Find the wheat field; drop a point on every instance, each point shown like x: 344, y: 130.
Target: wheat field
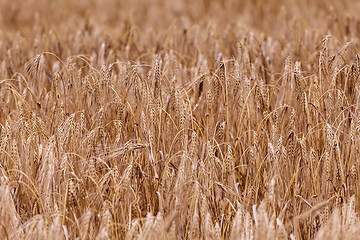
x: 179, y: 119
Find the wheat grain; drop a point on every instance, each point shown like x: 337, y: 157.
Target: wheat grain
x: 215, y: 125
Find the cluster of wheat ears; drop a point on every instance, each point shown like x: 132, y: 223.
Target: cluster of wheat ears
x: 179, y: 120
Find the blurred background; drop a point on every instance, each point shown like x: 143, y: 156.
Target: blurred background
x: 268, y: 16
